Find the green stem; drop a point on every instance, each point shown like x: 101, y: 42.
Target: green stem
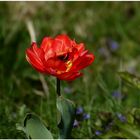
x: 58, y: 87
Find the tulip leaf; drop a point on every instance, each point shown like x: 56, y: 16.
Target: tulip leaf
x: 67, y: 110
x: 35, y: 129
x: 131, y: 79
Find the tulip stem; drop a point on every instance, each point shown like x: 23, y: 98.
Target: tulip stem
x: 58, y: 87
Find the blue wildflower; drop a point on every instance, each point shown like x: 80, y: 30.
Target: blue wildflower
x: 76, y: 123
x: 79, y: 110
x: 98, y: 132
x: 121, y: 117
x: 117, y: 94
x: 86, y: 116
x: 113, y: 45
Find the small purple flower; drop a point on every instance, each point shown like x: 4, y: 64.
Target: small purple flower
x: 98, y: 132
x: 113, y: 45
x: 79, y: 110
x: 68, y: 90
x: 86, y: 116
x: 121, y: 117
x: 76, y: 123
x: 117, y: 94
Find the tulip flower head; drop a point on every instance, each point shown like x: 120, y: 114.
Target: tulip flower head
x: 60, y: 57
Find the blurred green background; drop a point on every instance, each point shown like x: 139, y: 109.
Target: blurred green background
x: 110, y: 30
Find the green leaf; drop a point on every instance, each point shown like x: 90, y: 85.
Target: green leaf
x: 130, y: 79
x: 67, y: 110
x: 35, y: 129
x: 129, y: 129
x: 130, y: 118
x: 136, y: 113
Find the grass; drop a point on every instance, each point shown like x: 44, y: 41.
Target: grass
x: 94, y: 23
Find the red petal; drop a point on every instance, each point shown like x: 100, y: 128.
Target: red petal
x: 34, y: 60
x: 56, y: 64
x: 69, y: 76
x: 65, y: 39
x: 49, y: 54
x: 74, y: 76
x: 82, y: 62
x: 62, y: 44
x: 83, y: 53
x: 79, y: 53
x: 85, y: 61
x: 73, y: 55
x: 80, y: 47
x: 37, y: 51
x: 77, y: 50
x: 46, y: 44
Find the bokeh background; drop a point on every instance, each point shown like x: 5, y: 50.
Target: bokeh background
x: 107, y: 107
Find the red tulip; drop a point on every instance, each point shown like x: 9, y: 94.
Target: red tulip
x: 60, y: 57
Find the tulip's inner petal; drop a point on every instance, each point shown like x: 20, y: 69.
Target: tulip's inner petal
x: 46, y: 44
x: 60, y: 64
x: 73, y: 54
x: 62, y: 45
x: 65, y: 39
x: 79, y: 48
x: 59, y: 47
x: 77, y: 51
x: 49, y: 54
x: 63, y: 57
x: 57, y: 65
